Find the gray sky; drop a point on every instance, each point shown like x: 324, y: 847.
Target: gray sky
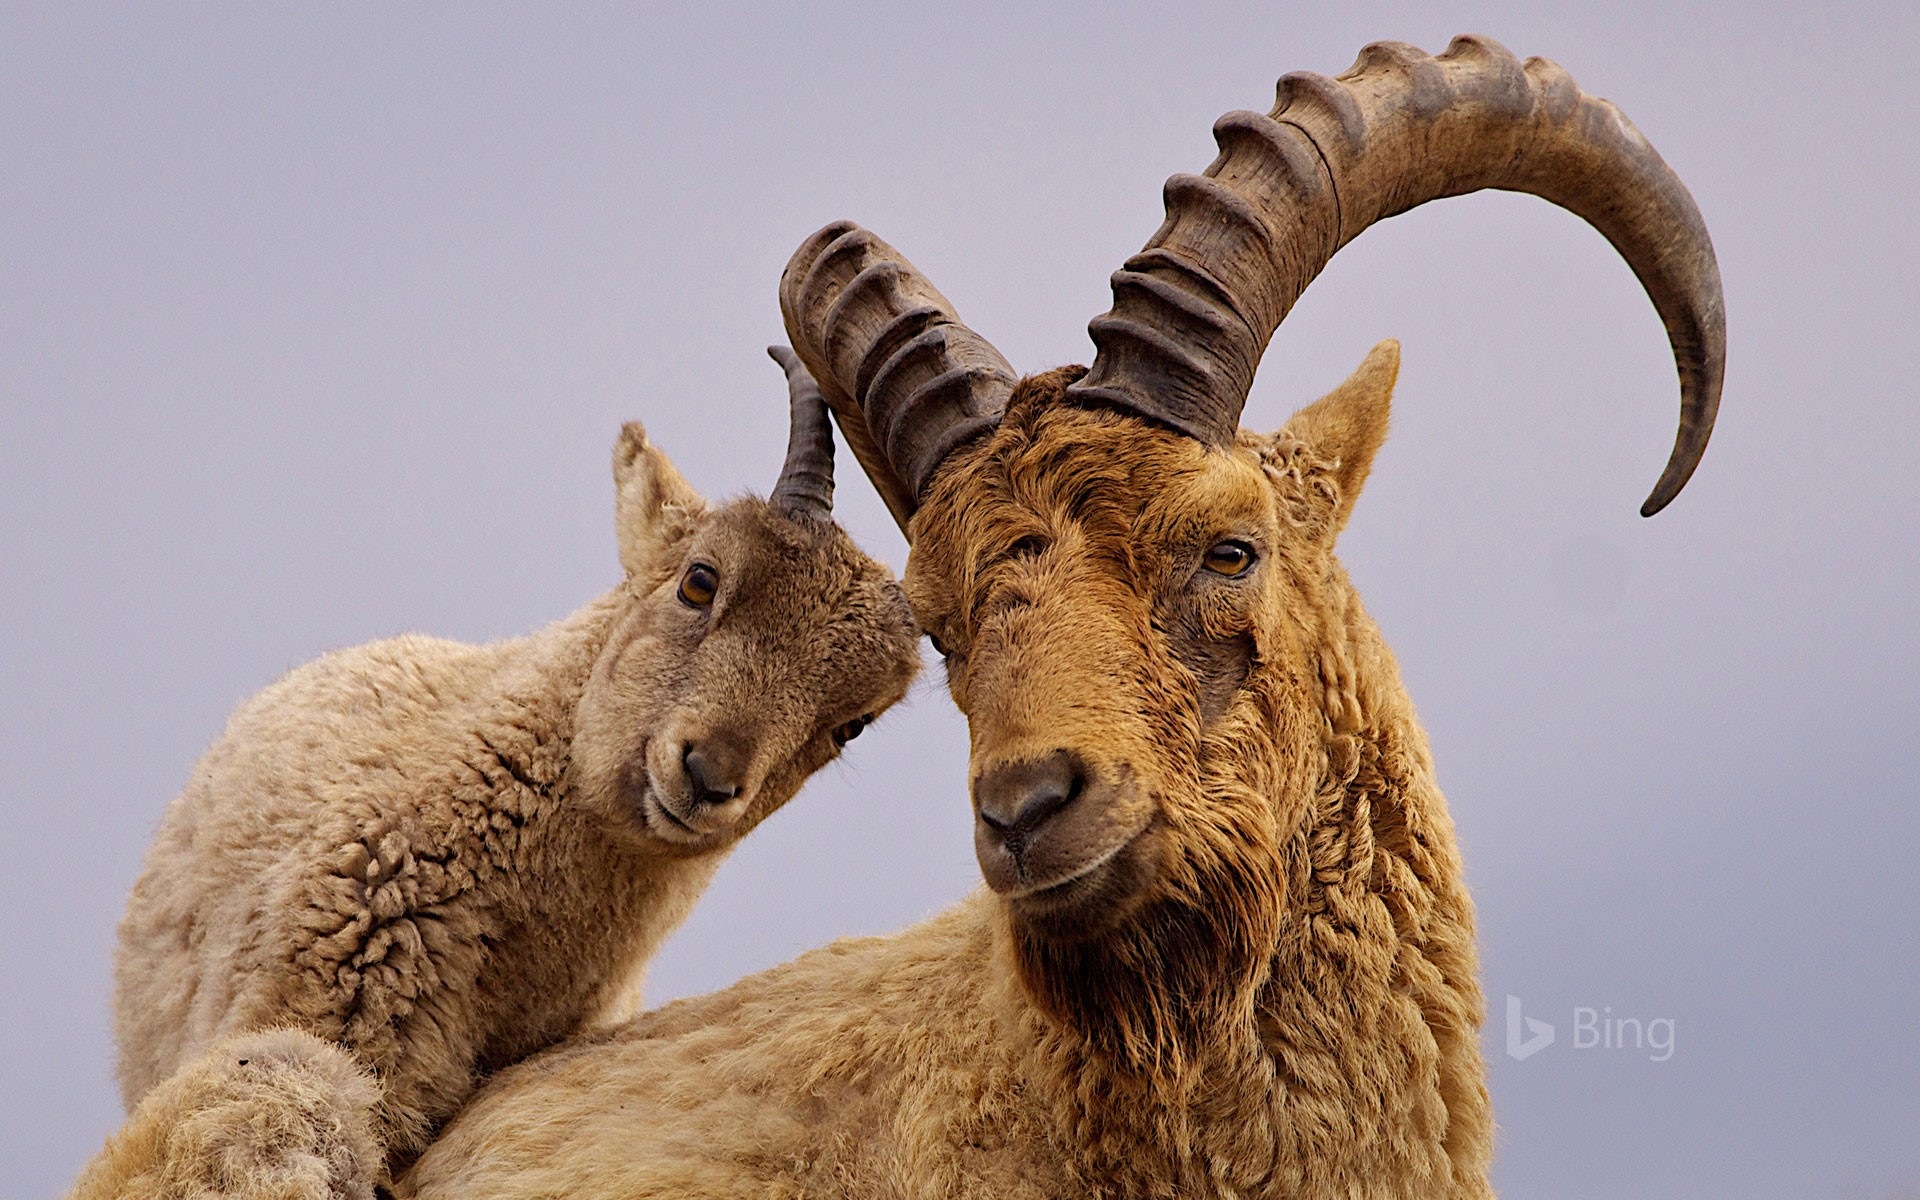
x: 317, y: 324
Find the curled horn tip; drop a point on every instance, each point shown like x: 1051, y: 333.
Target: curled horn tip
x: 1699, y: 404
x: 797, y: 375
x: 1193, y: 313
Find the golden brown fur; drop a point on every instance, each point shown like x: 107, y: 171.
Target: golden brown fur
x: 444, y: 858
x: 1245, y: 965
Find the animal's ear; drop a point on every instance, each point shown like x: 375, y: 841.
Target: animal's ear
x: 1337, y: 436
x: 653, y: 507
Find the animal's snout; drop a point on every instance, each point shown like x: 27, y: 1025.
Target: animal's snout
x: 716, y: 768
x: 700, y: 785
x: 1062, y: 837
x: 1017, y: 800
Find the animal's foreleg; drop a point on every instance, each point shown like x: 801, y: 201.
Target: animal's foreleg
x: 276, y: 1115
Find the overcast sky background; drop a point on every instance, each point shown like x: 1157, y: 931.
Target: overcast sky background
x: 316, y: 326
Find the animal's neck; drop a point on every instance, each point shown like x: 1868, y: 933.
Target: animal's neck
x: 540, y: 688
x: 537, y: 684
x: 607, y: 897
x: 1121, y: 1125
x: 1371, y: 1009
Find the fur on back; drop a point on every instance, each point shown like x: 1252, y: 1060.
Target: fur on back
x: 345, y: 858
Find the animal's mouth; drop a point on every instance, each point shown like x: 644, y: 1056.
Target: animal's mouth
x: 1063, y: 885
x: 651, y: 800
x: 654, y: 809
x: 1051, y: 830
x: 1095, y: 895
x: 655, y: 818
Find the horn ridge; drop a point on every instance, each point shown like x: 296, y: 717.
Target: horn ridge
x: 906, y: 330
x: 1396, y: 130
x: 805, y: 487
x: 906, y: 379
x: 938, y: 403
x: 1227, y: 233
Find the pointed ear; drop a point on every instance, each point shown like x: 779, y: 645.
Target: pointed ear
x: 1342, y: 430
x: 653, y: 507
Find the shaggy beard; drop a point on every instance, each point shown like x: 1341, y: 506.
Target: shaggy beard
x: 1175, y: 979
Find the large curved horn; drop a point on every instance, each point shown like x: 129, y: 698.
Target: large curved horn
x: 805, y: 488
x: 905, y: 379
x: 1193, y: 311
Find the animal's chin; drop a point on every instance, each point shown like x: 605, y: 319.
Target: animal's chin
x: 1094, y: 897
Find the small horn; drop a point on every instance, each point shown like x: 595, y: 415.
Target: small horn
x: 906, y: 380
x: 1192, y: 313
x: 806, y: 478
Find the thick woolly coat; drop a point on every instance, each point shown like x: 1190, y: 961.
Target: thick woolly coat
x: 403, y: 818
x: 445, y: 857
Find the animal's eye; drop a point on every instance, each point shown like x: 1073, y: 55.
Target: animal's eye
x: 851, y: 730
x: 1230, y: 558
x: 699, y: 585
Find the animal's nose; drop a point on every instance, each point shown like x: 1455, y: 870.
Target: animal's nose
x: 715, y: 767
x: 1016, y: 799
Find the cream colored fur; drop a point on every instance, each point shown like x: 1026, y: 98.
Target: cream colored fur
x: 443, y: 858
x: 274, y: 1115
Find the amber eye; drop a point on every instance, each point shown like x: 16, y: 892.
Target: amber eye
x: 699, y: 585
x: 1229, y: 558
x: 851, y: 730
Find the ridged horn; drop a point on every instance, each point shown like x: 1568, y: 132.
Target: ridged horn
x: 805, y: 488
x: 1193, y: 311
x: 906, y: 380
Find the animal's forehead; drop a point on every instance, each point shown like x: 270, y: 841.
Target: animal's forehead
x: 1110, y: 474
x: 792, y: 561
x: 806, y: 578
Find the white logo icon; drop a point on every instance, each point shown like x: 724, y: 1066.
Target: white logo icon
x: 1539, y: 1034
